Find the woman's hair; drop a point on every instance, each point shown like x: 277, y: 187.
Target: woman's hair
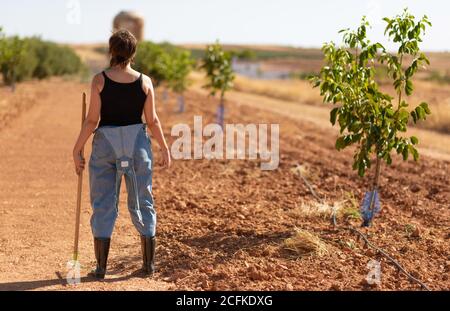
x: 122, y: 48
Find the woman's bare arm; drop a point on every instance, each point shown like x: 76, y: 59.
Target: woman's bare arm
x: 153, y: 123
x: 90, y: 123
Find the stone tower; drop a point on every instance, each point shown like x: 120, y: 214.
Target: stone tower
x: 131, y: 21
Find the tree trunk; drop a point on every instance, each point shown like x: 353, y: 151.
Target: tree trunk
x: 180, y: 103
x: 374, y: 197
x: 375, y: 184
x: 164, y: 95
x: 221, y: 112
x: 377, y: 174
x: 13, y: 81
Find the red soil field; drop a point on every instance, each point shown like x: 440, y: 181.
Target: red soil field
x: 221, y: 223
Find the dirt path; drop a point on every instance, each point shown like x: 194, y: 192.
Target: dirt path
x: 38, y: 189
x: 221, y: 223
x: 432, y: 143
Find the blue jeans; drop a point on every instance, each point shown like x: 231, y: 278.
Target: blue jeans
x: 121, y: 151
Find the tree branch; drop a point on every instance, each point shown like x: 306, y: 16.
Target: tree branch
x: 366, y: 240
x: 392, y: 260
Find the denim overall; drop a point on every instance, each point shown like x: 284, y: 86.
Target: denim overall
x: 121, y: 151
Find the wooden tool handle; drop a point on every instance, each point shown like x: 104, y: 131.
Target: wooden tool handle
x: 80, y: 184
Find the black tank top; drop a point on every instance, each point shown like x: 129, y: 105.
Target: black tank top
x: 121, y: 103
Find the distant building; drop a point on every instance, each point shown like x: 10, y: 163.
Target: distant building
x: 131, y: 21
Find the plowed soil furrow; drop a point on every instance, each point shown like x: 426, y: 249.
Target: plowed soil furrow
x: 222, y: 223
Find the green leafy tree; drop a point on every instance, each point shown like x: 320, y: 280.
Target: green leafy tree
x: 13, y: 52
x: 372, y: 120
x: 178, y: 65
x: 150, y: 59
x: 167, y: 65
x: 24, y: 58
x: 52, y: 59
x: 219, y: 72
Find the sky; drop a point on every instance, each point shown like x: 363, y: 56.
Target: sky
x: 284, y: 22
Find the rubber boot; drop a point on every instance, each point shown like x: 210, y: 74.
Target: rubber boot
x: 148, y: 245
x: 101, y: 248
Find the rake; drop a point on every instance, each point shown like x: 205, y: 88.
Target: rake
x: 73, y: 275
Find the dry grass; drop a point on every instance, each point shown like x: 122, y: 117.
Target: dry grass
x: 90, y: 55
x: 438, y: 97
x: 324, y: 209
x: 304, y: 243
x: 89, y: 51
x: 344, y: 209
x: 299, y: 91
x: 291, y: 90
x: 439, y: 119
x: 432, y: 143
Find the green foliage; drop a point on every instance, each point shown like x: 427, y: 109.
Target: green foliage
x: 366, y: 116
x: 405, y: 31
x: 178, y: 64
x: 217, y: 65
x: 150, y: 60
x: 53, y: 59
x: 164, y: 63
x: 12, y: 66
x: 2, y: 44
x: 26, y: 58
